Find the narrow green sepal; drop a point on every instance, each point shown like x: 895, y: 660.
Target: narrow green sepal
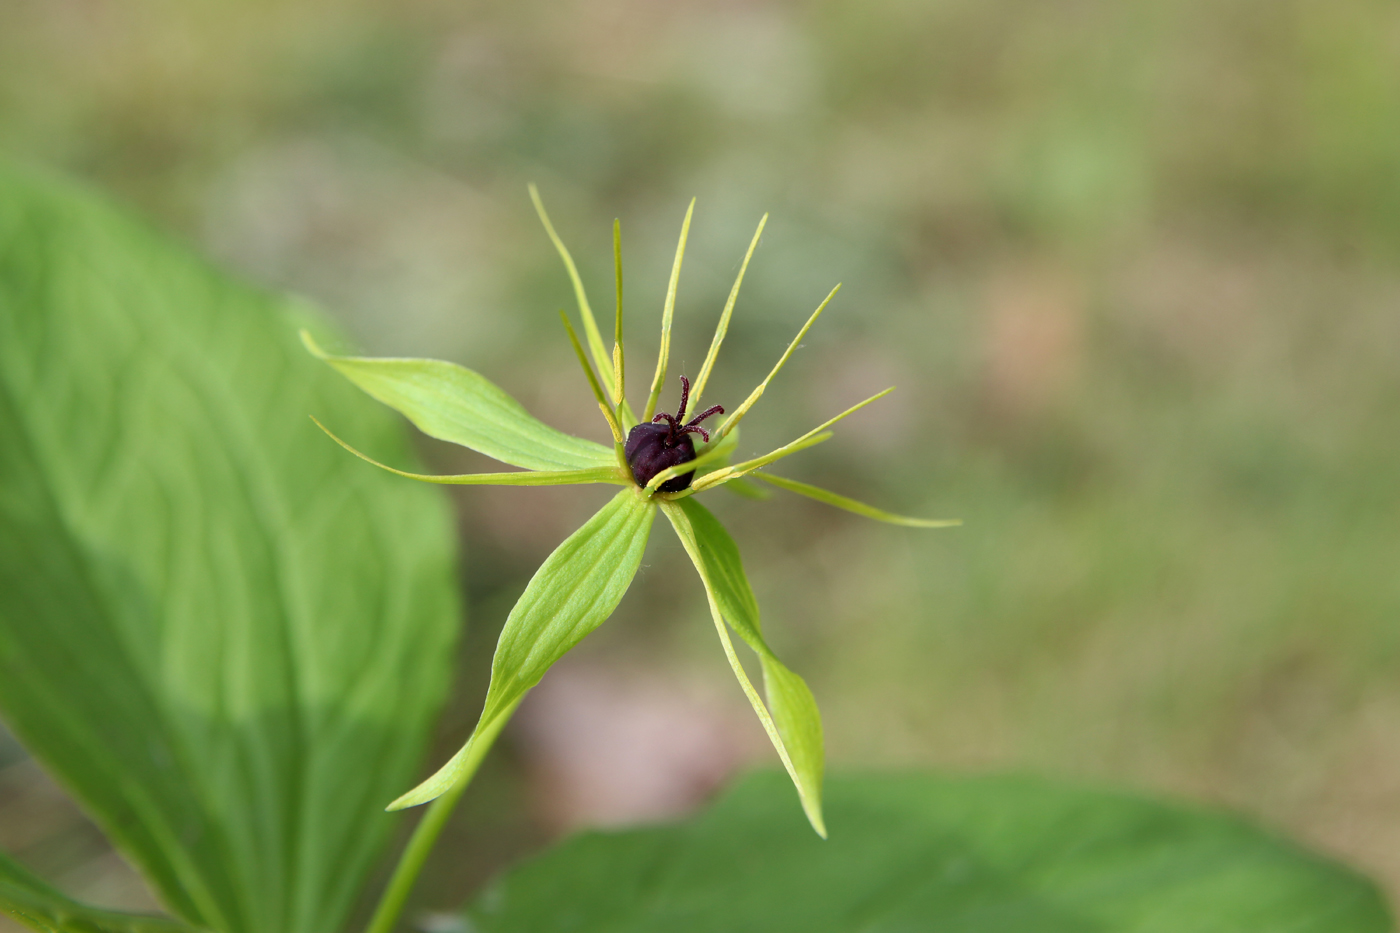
x: 602, y: 474
x: 456, y: 404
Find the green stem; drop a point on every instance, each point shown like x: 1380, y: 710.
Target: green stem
x: 386, y: 915
x: 425, y: 834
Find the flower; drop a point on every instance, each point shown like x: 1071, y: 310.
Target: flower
x: 654, y: 460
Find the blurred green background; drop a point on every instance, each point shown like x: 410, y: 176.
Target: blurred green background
x: 1133, y: 267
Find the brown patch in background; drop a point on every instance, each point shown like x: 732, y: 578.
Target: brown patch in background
x: 610, y: 746
x: 1033, y: 337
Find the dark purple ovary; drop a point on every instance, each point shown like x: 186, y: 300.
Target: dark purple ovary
x: 648, y: 453
x: 654, y: 447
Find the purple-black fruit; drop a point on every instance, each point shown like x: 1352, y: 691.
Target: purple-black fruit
x: 654, y: 447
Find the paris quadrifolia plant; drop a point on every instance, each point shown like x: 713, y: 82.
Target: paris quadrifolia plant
x: 659, y: 466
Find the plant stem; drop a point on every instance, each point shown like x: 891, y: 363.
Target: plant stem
x: 411, y: 862
x: 426, y: 833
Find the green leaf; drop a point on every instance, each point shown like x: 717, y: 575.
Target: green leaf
x: 936, y: 855
x: 573, y: 592
x: 453, y: 403
x: 29, y: 900
x: 794, y: 726
x: 851, y: 505
x: 222, y: 633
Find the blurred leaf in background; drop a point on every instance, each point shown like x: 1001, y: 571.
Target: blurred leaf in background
x: 224, y: 639
x: 936, y: 854
x: 29, y: 899
x: 1133, y: 267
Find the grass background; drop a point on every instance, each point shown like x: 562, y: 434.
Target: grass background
x: 1133, y: 267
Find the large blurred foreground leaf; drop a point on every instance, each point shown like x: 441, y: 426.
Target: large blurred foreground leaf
x: 30, y: 901
x: 935, y: 854
x: 224, y: 636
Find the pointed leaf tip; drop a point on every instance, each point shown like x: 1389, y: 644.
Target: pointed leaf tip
x: 790, y: 717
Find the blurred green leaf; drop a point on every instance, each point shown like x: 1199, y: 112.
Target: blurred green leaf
x: 573, y: 592
x: 35, y: 904
x: 936, y: 854
x: 223, y: 635
x: 453, y: 403
x: 795, y: 725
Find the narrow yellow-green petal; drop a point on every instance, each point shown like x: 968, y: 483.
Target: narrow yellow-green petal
x: 619, y: 361
x: 667, y: 313
x: 608, y: 415
x: 814, y: 436
x: 590, y: 325
x: 733, y: 420
x: 730, y: 473
x: 723, y: 327
x: 851, y: 505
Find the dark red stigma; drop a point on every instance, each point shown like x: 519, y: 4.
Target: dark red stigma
x: 654, y: 447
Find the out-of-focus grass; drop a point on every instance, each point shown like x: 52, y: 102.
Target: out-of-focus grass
x: 1132, y: 266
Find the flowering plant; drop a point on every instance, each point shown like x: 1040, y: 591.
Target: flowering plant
x: 655, y: 461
